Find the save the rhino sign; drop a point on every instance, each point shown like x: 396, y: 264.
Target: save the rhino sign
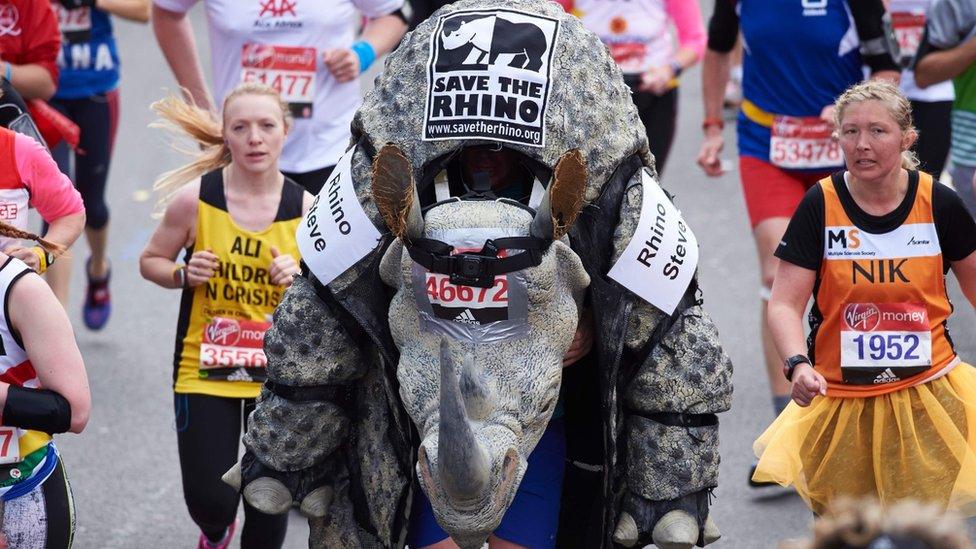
x: 488, y: 76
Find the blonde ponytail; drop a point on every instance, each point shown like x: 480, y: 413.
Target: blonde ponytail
x: 178, y: 116
x: 182, y: 117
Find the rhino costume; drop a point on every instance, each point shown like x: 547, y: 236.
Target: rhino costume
x: 376, y: 388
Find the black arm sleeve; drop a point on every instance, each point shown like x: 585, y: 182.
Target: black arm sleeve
x: 723, y: 27
x: 953, y: 223
x: 875, y: 44
x: 37, y: 409
x: 802, y: 243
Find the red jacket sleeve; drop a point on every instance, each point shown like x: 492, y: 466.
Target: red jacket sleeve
x: 42, y: 39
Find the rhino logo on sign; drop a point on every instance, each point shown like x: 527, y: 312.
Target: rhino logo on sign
x: 479, y: 42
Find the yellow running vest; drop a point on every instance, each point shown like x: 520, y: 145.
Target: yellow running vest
x: 220, y: 334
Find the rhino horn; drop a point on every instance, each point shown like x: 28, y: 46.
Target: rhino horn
x: 563, y: 199
x: 316, y: 503
x: 461, y: 461
x: 395, y: 194
x: 475, y: 389
x: 676, y: 530
x: 268, y: 495
x: 233, y: 477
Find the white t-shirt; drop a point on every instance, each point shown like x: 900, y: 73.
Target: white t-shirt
x: 908, y: 19
x: 636, y: 32
x: 281, y: 42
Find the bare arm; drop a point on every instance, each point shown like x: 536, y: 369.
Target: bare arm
x: 66, y: 229
x: 384, y: 33
x: 50, y: 344
x: 175, y: 37
x: 937, y: 66
x: 133, y: 10
x: 176, y: 231
x: 32, y: 80
x: 965, y: 271
x: 715, y: 76
x: 792, y: 288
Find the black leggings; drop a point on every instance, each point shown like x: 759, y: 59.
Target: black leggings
x: 208, y: 431
x: 313, y: 180
x: 97, y: 117
x: 659, y: 114
x: 934, y: 134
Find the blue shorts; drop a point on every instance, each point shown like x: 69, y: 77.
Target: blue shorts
x: 533, y: 517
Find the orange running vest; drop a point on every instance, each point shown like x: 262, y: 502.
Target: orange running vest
x: 883, y: 301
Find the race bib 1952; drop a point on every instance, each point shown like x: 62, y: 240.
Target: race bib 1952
x: 290, y: 70
x: 884, y: 342
x: 803, y: 142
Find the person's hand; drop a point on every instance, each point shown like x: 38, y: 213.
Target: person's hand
x: 708, y: 157
x: 582, y: 341
x: 26, y: 255
x: 827, y: 114
x: 343, y: 63
x: 283, y: 268
x: 201, y: 267
x: 657, y: 80
x: 807, y: 383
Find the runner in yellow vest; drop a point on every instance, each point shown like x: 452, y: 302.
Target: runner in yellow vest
x: 236, y: 223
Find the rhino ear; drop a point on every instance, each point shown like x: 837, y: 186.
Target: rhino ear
x: 395, y: 194
x: 563, y: 199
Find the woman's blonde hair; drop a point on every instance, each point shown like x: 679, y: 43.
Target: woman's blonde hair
x: 893, y: 100
x: 184, y: 117
x: 850, y: 522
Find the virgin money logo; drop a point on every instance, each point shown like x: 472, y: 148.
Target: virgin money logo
x: 9, y: 20
x: 277, y: 8
x: 224, y: 331
x: 863, y: 317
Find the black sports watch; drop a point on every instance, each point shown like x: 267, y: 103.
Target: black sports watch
x: 791, y: 364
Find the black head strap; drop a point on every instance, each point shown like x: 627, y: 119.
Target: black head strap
x: 478, y: 269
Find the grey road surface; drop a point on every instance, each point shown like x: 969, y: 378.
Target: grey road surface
x: 124, y: 468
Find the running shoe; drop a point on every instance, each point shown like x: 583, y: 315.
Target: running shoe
x: 224, y: 542
x: 98, y: 300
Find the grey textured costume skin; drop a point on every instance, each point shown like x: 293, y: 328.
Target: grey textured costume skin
x: 661, y: 376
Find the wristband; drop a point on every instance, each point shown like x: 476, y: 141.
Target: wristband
x: 676, y: 67
x: 8, y: 72
x: 44, y: 258
x: 179, y: 276
x: 37, y: 409
x: 366, y: 54
x: 713, y: 122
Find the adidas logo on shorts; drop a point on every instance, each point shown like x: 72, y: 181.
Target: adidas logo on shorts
x: 887, y: 376
x: 239, y: 374
x: 466, y: 317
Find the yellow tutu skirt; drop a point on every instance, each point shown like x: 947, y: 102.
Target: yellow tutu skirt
x: 917, y: 443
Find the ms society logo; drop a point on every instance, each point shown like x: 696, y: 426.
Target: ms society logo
x: 488, y: 76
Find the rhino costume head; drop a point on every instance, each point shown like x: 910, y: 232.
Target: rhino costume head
x: 480, y: 398
x: 332, y: 428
